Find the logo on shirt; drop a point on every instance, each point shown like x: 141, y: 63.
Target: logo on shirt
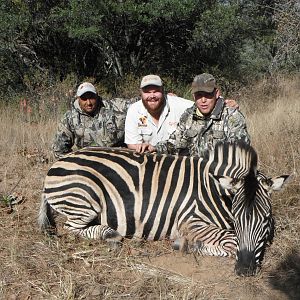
x: 174, y: 124
x: 142, y: 121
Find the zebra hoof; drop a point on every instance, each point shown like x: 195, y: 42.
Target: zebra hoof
x: 49, y: 231
x: 114, y: 245
x: 180, y: 244
x: 114, y: 241
x: 197, y: 246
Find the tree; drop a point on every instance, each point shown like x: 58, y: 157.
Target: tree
x: 109, y: 40
x: 16, y: 54
x: 287, y: 40
x: 130, y: 35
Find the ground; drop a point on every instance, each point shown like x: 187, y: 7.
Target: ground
x: 34, y: 266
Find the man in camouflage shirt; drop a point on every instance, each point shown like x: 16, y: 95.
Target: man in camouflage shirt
x: 91, y: 122
x: 207, y: 122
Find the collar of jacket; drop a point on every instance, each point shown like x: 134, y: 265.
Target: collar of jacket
x: 215, y: 114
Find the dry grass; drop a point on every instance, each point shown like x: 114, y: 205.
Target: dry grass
x: 32, y: 266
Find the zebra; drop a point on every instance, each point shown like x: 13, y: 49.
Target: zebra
x: 217, y: 205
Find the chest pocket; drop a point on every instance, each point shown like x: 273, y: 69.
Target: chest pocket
x: 79, y: 132
x: 110, y: 125
x: 191, y: 133
x: 218, y: 134
x: 146, y: 134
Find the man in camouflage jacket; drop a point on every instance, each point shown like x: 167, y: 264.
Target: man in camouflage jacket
x: 207, y: 122
x: 91, y: 122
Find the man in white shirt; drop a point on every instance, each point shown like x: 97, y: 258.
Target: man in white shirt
x: 153, y: 118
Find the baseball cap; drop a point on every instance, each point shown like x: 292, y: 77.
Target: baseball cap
x: 203, y: 83
x: 151, y: 80
x: 84, y: 88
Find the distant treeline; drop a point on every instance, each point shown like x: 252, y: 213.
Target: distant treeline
x: 237, y: 41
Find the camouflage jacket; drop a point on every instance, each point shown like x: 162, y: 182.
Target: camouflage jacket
x: 196, y: 134
x: 105, y: 128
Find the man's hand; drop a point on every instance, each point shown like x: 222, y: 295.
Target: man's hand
x: 231, y: 103
x: 141, y: 148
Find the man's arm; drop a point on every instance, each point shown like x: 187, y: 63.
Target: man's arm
x: 237, y: 128
x: 231, y: 103
x: 178, y: 142
x: 117, y: 108
x: 64, y: 138
x: 133, y: 138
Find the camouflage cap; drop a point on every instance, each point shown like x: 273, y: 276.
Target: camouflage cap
x: 203, y: 83
x: 84, y: 88
x: 151, y: 80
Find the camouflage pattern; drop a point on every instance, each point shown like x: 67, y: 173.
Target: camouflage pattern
x: 196, y: 134
x: 105, y: 128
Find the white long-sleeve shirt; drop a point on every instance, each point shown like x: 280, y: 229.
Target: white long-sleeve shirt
x: 140, y: 127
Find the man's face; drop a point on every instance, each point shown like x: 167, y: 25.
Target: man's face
x: 88, y: 102
x: 206, y: 101
x: 153, y: 98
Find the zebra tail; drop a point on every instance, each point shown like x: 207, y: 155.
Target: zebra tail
x: 46, y: 220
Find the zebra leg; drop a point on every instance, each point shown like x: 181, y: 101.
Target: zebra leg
x: 102, y: 232
x: 208, y: 239
x: 180, y: 244
x: 46, y: 217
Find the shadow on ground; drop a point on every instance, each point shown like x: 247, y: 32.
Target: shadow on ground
x: 286, y: 276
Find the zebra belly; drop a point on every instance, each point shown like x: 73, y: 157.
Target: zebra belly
x: 132, y: 223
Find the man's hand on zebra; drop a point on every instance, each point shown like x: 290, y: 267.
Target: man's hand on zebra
x: 141, y: 148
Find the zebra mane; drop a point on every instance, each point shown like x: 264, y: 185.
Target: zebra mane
x: 237, y: 155
x: 248, y: 159
x: 250, y: 180
x: 239, y: 161
x: 251, y: 186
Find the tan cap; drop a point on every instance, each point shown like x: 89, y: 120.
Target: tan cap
x: 203, y: 83
x: 151, y: 80
x: 84, y: 88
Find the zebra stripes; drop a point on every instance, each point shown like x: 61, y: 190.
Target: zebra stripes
x: 217, y: 205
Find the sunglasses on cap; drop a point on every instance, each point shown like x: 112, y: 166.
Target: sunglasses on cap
x: 201, y: 94
x: 88, y: 95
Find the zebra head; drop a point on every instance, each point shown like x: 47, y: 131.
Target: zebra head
x: 252, y: 217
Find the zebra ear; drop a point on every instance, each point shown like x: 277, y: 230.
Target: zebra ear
x: 227, y: 182
x: 278, y: 182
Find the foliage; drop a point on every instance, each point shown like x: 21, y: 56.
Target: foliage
x: 15, y: 54
x: 237, y: 41
x: 287, y: 40
x: 129, y: 35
